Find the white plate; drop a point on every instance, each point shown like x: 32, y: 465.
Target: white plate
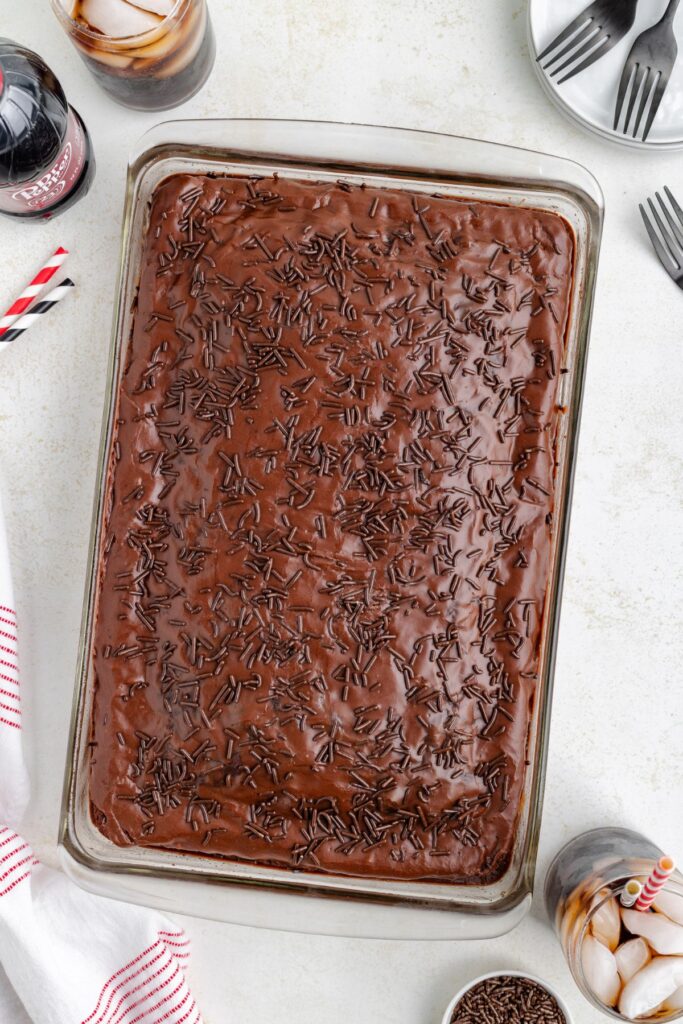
x: 589, y: 98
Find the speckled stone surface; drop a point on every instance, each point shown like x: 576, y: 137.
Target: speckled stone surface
x: 459, y: 68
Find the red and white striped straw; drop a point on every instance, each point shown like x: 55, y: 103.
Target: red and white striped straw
x: 36, y: 311
x: 34, y: 288
x: 656, y: 881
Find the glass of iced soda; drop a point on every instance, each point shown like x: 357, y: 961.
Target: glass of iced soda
x: 147, y: 54
x: 627, y: 962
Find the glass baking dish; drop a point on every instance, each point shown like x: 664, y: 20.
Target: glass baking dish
x: 272, y: 897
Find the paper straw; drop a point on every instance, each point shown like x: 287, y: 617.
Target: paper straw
x: 658, y: 878
x: 631, y: 892
x: 40, y: 307
x: 29, y: 293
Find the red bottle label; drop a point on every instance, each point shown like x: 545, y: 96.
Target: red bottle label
x: 45, y: 190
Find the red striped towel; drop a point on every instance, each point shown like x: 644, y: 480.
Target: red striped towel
x: 66, y: 956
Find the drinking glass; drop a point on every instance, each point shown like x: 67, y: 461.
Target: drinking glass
x: 153, y: 69
x: 588, y: 872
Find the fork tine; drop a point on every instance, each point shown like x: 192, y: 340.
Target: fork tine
x: 585, y: 34
x: 650, y: 82
x: 571, y: 28
x: 674, y: 205
x: 675, y: 227
x: 660, y: 89
x: 637, y: 81
x: 624, y: 82
x: 669, y: 242
x: 662, y: 254
x: 604, y: 44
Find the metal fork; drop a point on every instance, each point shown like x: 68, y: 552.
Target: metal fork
x: 592, y: 33
x: 648, y: 67
x: 668, y: 244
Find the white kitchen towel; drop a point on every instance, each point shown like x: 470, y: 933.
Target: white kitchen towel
x: 13, y: 774
x: 66, y: 956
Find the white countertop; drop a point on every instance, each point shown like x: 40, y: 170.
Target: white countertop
x: 450, y: 66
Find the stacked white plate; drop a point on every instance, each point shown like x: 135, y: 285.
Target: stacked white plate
x: 589, y: 98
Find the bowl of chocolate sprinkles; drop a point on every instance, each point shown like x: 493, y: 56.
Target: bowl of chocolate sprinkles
x: 510, y: 997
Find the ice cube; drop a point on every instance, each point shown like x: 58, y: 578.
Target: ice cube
x: 631, y: 956
x: 606, y: 924
x: 161, y: 7
x: 651, y: 986
x: 160, y: 46
x: 674, y: 1001
x: 117, y: 18
x: 179, y: 43
x: 70, y: 6
x: 671, y: 904
x: 184, y: 55
x: 664, y: 936
x: 600, y: 970
x: 114, y: 59
x: 572, y: 919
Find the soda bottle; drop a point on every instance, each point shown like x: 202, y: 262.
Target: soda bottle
x: 46, y: 157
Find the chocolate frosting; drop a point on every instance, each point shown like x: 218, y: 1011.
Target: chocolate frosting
x: 328, y: 528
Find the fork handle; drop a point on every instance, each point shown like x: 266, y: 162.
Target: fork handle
x: 671, y: 10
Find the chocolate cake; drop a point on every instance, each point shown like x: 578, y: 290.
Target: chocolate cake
x: 328, y: 526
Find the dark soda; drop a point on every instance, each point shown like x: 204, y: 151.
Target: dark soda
x: 147, y: 54
x: 46, y: 157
